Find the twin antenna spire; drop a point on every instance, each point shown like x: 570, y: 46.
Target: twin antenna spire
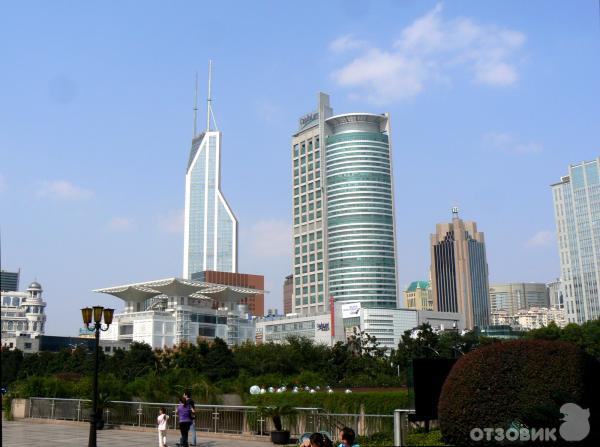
x: 209, y: 111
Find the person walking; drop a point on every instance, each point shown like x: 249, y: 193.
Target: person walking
x: 184, y: 412
x: 188, y: 397
x: 161, y: 420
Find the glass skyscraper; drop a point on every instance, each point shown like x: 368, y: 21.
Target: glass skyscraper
x: 210, y: 228
x: 344, y: 232
x: 577, y: 213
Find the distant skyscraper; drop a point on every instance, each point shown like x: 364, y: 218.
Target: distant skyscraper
x: 556, y: 294
x: 210, y: 227
x: 516, y: 296
x: 9, y: 281
x: 288, y: 292
x: 577, y: 213
x: 344, y: 239
x: 459, y: 271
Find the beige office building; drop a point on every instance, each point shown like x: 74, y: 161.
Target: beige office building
x: 516, y: 296
x: 418, y: 296
x: 459, y: 271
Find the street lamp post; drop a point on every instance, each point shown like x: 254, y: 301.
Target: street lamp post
x: 87, y: 313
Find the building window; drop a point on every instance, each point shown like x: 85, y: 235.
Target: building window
x: 27, y: 345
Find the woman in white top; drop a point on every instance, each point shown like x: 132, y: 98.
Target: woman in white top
x: 161, y: 420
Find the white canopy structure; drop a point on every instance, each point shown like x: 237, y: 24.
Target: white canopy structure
x: 178, y: 287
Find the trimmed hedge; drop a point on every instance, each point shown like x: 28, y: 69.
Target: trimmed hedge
x: 338, y: 402
x: 516, y: 382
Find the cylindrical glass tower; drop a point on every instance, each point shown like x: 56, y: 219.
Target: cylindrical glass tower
x: 360, y: 210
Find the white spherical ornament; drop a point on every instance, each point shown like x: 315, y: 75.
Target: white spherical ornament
x: 330, y: 391
x: 317, y: 388
x: 307, y: 388
x: 312, y: 391
x: 263, y: 391
x: 295, y: 390
x: 348, y: 391
x: 254, y: 390
x: 271, y: 389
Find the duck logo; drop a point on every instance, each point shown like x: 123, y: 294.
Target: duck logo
x: 576, y: 425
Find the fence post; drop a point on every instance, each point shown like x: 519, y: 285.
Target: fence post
x: 30, y: 407
x: 400, y: 427
x: 78, y: 409
x: 215, y: 417
x: 52, y: 409
x: 139, y: 411
x: 362, y: 428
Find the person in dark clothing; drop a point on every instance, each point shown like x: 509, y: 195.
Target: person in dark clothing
x: 184, y: 413
x: 188, y: 397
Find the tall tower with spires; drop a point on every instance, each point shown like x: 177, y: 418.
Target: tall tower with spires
x: 210, y: 227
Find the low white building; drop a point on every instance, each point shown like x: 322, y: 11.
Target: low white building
x: 167, y: 312
x: 277, y: 328
x: 527, y: 319
x: 23, y: 313
x: 387, y: 325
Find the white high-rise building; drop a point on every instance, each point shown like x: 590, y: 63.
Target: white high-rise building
x: 343, y: 228
x: 210, y: 228
x: 577, y: 213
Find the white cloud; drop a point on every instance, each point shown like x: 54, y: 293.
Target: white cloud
x: 346, y: 43
x: 428, y: 50
x: 542, y: 238
x: 506, y: 142
x: 63, y: 190
x: 268, y: 239
x: 172, y: 222
x: 120, y: 224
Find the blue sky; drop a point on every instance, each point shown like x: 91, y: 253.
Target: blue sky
x: 490, y: 102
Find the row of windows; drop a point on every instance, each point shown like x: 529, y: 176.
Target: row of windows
x: 306, y: 258
x: 300, y: 148
x: 309, y: 300
x: 359, y: 176
x: 316, y: 156
x: 357, y: 136
x: 313, y: 267
x: 362, y: 262
x: 305, y: 290
x: 308, y: 187
x: 308, y: 248
x: 361, y: 218
x: 307, y: 278
x: 307, y: 197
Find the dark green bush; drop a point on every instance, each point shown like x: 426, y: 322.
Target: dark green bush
x: 517, y: 382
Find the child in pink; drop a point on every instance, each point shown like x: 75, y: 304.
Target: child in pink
x: 161, y: 420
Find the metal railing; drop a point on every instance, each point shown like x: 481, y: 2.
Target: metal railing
x: 211, y: 418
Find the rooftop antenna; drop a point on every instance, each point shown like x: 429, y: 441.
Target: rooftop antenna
x: 196, y: 107
x: 209, y: 108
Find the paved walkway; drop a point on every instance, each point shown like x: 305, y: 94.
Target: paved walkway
x: 33, y: 434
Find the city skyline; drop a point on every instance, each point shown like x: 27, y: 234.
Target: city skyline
x: 91, y: 180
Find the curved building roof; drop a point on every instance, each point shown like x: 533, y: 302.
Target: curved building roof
x: 35, y: 285
x: 179, y: 287
x: 350, y: 118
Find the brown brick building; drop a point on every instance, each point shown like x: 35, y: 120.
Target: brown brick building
x: 256, y: 303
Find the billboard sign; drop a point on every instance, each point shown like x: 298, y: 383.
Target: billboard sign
x: 350, y: 310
